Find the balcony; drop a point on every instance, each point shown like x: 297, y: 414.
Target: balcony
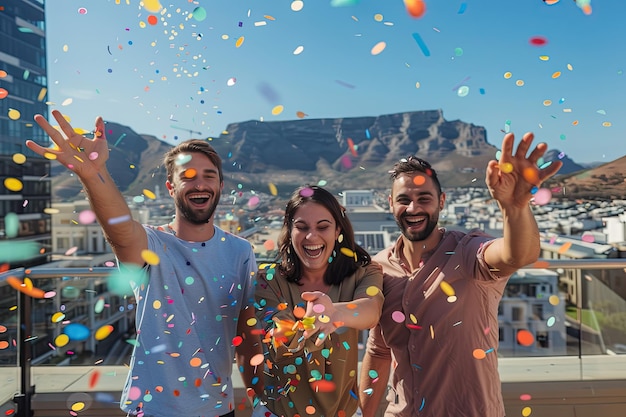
x: 562, y: 341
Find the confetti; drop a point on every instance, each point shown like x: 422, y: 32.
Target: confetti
x: 525, y: 338
x: 421, y: 44
x: 378, y: 48
x: 538, y: 41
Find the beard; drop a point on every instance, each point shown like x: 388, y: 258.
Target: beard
x: 431, y: 224
x: 197, y: 216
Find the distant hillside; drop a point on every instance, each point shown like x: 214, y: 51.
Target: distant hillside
x: 345, y: 153
x: 606, y: 181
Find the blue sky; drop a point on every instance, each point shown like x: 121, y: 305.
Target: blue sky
x: 105, y: 58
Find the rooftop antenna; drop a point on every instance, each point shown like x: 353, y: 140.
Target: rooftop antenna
x: 187, y: 129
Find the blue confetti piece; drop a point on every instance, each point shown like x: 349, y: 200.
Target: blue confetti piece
x: 421, y: 44
x: 462, y: 8
x: 423, y: 403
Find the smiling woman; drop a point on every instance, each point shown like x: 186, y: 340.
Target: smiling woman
x: 322, y: 290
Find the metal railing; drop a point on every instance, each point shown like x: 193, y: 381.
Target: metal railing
x: 572, y: 314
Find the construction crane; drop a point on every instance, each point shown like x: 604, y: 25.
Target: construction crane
x: 191, y: 132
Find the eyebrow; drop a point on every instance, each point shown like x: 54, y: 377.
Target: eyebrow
x: 419, y: 194
x: 294, y: 221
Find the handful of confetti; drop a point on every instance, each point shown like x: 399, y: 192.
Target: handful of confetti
x: 284, y: 329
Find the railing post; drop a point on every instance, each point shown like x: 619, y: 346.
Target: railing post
x: 25, y: 330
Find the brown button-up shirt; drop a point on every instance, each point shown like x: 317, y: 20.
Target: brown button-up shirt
x: 439, y: 325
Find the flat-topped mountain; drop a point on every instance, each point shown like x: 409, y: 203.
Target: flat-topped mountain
x: 342, y: 153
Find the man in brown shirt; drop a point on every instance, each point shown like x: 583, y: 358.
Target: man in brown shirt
x: 438, y: 332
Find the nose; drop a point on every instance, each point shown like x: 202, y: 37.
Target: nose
x: 412, y: 207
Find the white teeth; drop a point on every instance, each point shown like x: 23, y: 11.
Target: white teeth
x: 199, y: 195
x: 315, y: 247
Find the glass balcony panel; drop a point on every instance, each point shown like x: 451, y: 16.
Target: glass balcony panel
x: 561, y: 323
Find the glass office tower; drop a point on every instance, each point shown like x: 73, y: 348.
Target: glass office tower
x: 25, y: 187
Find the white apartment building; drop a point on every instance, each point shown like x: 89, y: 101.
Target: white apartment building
x: 531, y: 302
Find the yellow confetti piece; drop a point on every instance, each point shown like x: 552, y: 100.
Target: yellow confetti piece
x: 544, y: 58
x: 57, y: 317
x: 547, y: 103
x: 554, y: 300
x: 251, y: 322
x: 432, y: 332
x: 19, y: 158
x: 13, y: 184
x: 277, y: 110
x: 239, y: 42
x: 14, y: 114
x: 556, y: 74
x: 526, y: 411
x: 446, y: 288
x: 273, y: 189
x: 152, y: 6
x: 507, y: 75
x: 506, y: 167
x: 149, y: 194
x: 150, y: 257
x: 413, y: 318
x: 372, y: 291
x: 78, y: 406
x: 61, y: 340
x: 42, y: 94
x: 519, y: 83
x: 606, y: 124
x: 103, y: 332
x: 347, y: 251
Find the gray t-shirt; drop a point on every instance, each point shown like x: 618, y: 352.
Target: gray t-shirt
x: 186, y: 320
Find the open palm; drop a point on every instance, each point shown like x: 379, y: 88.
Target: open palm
x: 511, y: 180
x: 82, y: 155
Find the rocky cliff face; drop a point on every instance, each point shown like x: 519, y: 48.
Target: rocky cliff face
x: 343, y: 153
x: 348, y: 142
x: 354, y: 152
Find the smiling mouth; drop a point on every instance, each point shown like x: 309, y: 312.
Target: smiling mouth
x: 415, y: 221
x: 313, y: 251
x: 199, y: 198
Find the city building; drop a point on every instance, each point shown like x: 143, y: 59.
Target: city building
x: 532, y: 303
x: 25, y: 177
x: 374, y: 226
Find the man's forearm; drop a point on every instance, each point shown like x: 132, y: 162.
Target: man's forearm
x: 126, y: 237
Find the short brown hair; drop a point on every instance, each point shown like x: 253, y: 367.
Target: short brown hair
x: 192, y: 146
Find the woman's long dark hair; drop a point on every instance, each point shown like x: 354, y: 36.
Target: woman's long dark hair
x: 342, y: 264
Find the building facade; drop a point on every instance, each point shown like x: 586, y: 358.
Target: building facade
x: 25, y: 188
